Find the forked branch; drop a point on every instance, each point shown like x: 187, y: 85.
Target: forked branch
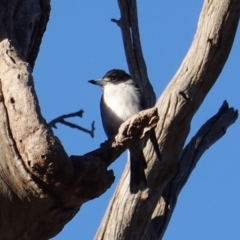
x: 214, y: 129
x: 176, y: 107
x: 61, y: 119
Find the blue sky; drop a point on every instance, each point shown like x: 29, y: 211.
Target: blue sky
x: 82, y: 43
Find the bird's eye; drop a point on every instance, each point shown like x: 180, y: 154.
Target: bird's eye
x: 113, y: 77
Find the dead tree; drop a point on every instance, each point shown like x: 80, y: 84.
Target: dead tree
x: 42, y: 188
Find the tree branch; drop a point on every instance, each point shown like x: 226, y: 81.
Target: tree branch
x: 41, y: 187
x: 132, y: 46
x: 91, y: 176
x: 179, y: 102
x: 61, y: 119
x: 208, y: 134
x: 46, y: 186
x: 37, y: 26
x: 134, y: 128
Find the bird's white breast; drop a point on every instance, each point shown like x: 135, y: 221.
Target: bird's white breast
x: 122, y: 100
x: 119, y: 102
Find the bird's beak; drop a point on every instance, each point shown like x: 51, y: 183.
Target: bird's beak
x: 99, y: 82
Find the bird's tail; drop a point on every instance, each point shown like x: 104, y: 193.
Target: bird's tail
x: 153, y: 139
x: 138, y: 163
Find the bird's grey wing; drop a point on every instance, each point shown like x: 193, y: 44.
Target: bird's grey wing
x: 110, y: 121
x: 153, y: 137
x: 141, y: 97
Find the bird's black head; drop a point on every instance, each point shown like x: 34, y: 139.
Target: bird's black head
x: 116, y: 75
x: 113, y: 76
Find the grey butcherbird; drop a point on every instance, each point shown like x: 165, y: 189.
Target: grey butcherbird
x: 121, y: 99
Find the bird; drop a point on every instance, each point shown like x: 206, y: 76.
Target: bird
x: 121, y: 99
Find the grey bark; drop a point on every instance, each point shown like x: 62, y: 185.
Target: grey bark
x: 41, y: 188
x: 146, y: 214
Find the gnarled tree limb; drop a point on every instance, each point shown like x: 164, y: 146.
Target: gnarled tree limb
x: 41, y: 187
x: 208, y: 134
x: 179, y: 102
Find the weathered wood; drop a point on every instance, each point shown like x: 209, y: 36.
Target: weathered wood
x: 208, y: 134
x: 134, y: 216
x: 41, y: 188
x: 128, y: 24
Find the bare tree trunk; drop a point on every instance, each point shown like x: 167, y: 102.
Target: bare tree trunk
x: 41, y: 188
x: 32, y: 159
x: 146, y: 214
